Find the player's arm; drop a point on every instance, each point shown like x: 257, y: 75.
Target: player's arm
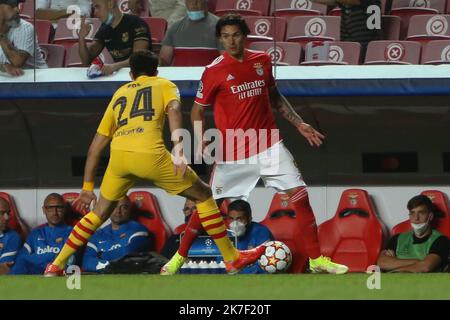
x: 198, y: 124
x: 429, y: 264
x: 16, y: 57
x: 280, y: 103
x: 389, y: 262
x: 176, y: 124
x: 91, y: 259
x: 166, y: 55
x: 138, y: 45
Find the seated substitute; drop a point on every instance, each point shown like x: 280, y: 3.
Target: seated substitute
x: 10, y: 242
x: 421, y: 250
x: 121, y: 237
x: 122, y: 34
x: 45, y: 241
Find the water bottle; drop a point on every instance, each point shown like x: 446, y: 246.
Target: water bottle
x: 184, y: 268
x: 214, y: 267
x: 203, y: 267
x: 222, y: 268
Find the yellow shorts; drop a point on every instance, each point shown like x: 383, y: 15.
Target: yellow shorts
x: 125, y: 168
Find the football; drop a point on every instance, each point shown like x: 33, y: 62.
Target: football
x: 276, y: 258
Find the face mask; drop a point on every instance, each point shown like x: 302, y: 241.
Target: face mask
x: 238, y: 228
x: 109, y: 19
x: 419, y: 228
x: 196, y: 15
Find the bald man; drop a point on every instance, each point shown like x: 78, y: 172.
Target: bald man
x: 10, y: 241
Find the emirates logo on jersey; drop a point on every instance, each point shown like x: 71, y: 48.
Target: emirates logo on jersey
x: 248, y: 89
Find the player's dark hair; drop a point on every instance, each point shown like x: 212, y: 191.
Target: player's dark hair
x: 240, y: 205
x: 232, y: 19
x: 420, y: 200
x: 143, y: 63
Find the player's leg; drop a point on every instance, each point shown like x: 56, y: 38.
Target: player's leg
x: 279, y: 170
x: 114, y: 187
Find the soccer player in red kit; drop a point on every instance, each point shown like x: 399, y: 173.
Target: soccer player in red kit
x: 239, y: 85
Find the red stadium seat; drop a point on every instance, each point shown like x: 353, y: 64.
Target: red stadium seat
x: 149, y: 214
x: 336, y: 11
x: 281, y: 221
x: 73, y: 57
x: 158, y: 28
x: 436, y: 52
x: 441, y: 221
x: 288, y: 8
x: 68, y: 35
x: 26, y: 9
x: 266, y: 28
x: 184, y: 57
x: 393, y: 52
x: 316, y: 28
x: 355, y: 235
x: 123, y: 7
x: 282, y: 53
x: 75, y: 214
x: 15, y: 222
x: 390, y: 27
x: 43, y: 29
x: 405, y: 9
x: 243, y: 7
x: 425, y: 28
x: 53, y: 54
x: 339, y: 53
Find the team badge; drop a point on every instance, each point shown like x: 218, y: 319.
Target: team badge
x: 125, y: 37
x: 259, y: 69
x: 59, y: 240
x: 353, y: 197
x: 219, y: 190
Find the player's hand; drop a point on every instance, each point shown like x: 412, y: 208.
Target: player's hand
x: 5, y: 267
x: 313, y: 136
x: 389, y: 253
x: 85, y: 28
x: 13, y: 71
x: 84, y: 201
x: 108, y: 69
x: 180, y: 165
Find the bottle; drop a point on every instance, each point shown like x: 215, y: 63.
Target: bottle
x: 222, y: 269
x: 203, y: 267
x: 214, y: 267
x: 184, y: 268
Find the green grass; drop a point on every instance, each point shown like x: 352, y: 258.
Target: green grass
x: 209, y: 287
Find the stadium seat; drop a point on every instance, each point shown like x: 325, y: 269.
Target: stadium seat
x: 73, y: 57
x: 405, y: 9
x: 53, y: 54
x: 282, y: 53
x: 184, y: 57
x: 158, y: 28
x: 26, y: 9
x: 288, y: 8
x: 390, y: 27
x: 315, y: 28
x: 123, y: 7
x: 281, y: 221
x: 339, y: 53
x: 441, y: 221
x: 68, y: 35
x: 212, y: 5
x: 425, y: 28
x: 15, y: 222
x: 75, y: 214
x: 243, y: 7
x: 393, y: 52
x: 355, y: 235
x: 336, y: 11
x: 149, y: 214
x: 265, y: 28
x: 436, y: 52
x: 43, y: 29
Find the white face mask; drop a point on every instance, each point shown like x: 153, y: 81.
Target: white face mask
x: 238, y: 228
x: 419, y: 228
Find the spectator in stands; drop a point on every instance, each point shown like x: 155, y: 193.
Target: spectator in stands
x: 354, y: 21
x: 18, y: 42
x: 10, y: 242
x: 121, y: 237
x: 171, y: 10
x: 53, y: 10
x: 137, y: 7
x: 196, y: 29
x: 45, y: 241
x: 249, y: 234
x: 421, y: 250
x: 122, y: 34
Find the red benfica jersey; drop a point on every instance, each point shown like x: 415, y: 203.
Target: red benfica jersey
x: 239, y: 94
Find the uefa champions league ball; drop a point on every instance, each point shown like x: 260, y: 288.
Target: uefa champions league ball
x: 276, y: 258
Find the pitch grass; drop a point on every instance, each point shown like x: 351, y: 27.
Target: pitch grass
x: 218, y: 287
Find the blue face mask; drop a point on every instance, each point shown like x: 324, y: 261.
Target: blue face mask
x: 109, y: 19
x: 196, y: 15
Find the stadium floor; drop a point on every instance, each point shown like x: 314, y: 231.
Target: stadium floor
x: 218, y: 287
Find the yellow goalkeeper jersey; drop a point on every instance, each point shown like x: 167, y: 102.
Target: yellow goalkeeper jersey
x: 135, y: 116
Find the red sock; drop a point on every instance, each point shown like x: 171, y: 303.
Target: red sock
x: 190, y: 234
x: 307, y: 222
